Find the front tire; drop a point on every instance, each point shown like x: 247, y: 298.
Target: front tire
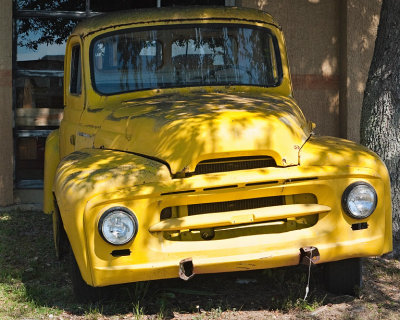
x: 344, y: 276
x: 60, y: 238
x: 82, y: 291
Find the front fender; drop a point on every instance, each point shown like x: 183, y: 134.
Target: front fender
x: 87, y: 173
x: 330, y: 151
x: 51, y: 161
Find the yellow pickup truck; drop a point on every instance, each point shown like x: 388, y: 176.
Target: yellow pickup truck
x: 183, y: 152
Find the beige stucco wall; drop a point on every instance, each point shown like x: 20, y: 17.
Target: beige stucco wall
x: 330, y: 45
x: 6, y: 120
x: 311, y: 29
x: 362, y: 25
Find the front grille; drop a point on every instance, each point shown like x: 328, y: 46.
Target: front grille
x: 233, y: 164
x: 235, y: 205
x: 228, y: 231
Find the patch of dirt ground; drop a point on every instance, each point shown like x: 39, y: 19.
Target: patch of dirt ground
x: 268, y: 294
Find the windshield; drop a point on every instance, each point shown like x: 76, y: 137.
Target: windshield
x: 184, y: 56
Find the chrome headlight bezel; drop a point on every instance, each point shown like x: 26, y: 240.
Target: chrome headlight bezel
x: 347, y: 194
x: 128, y: 214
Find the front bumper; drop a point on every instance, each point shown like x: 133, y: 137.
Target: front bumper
x: 153, y: 256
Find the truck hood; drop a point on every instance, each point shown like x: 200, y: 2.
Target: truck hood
x: 184, y: 130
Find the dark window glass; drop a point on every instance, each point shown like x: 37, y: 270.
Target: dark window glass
x: 105, y: 6
x: 29, y: 161
x: 184, y: 56
x: 75, y: 82
x: 166, y: 3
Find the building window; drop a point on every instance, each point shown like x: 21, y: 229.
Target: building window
x: 38, y: 92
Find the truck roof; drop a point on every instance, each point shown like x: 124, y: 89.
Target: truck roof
x: 157, y: 16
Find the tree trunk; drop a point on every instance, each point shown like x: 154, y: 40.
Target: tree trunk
x: 380, y: 117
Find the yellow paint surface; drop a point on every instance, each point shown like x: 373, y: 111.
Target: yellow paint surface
x: 140, y: 150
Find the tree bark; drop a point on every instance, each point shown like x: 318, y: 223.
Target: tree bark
x: 380, y: 117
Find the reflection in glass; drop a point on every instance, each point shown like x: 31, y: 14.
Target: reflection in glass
x: 40, y: 67
x: 184, y: 56
x: 38, y: 93
x: 34, y: 32
x: 62, y: 5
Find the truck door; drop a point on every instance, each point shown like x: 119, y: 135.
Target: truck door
x: 74, y: 95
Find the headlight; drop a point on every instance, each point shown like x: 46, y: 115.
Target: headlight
x: 118, y: 226
x: 359, y: 200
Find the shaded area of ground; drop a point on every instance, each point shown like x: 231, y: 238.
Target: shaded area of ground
x: 34, y: 285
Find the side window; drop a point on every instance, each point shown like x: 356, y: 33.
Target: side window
x: 76, y: 78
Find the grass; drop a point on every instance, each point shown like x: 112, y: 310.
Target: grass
x: 27, y: 288
x: 35, y: 285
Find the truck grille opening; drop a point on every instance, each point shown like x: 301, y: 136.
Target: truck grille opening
x: 234, y: 164
x: 235, y: 205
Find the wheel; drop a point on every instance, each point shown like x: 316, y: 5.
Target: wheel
x: 61, y: 242
x: 82, y: 291
x: 344, y: 276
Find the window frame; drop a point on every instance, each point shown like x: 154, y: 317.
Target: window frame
x: 191, y: 25
x: 75, y: 72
